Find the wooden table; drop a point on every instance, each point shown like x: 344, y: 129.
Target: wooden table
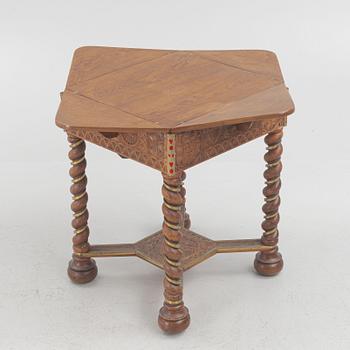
x: 171, y: 110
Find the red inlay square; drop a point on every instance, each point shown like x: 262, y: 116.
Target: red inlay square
x: 171, y: 171
x: 171, y: 148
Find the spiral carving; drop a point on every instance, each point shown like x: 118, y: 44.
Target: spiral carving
x: 173, y: 315
x: 272, y: 188
x: 81, y: 269
x: 79, y: 195
x: 270, y: 262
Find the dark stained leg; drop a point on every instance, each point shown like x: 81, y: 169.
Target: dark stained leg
x: 173, y: 316
x: 270, y: 263
x: 80, y: 269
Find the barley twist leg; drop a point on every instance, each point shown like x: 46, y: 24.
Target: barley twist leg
x: 173, y: 316
x: 270, y: 263
x: 80, y: 269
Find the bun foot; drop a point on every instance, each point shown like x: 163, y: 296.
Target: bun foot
x: 174, y: 320
x: 82, y: 270
x: 268, y: 263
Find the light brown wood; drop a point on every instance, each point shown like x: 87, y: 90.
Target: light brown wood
x: 110, y: 250
x: 240, y: 246
x: 90, y: 62
x: 256, y: 61
x: 171, y: 110
x: 196, y: 248
x: 117, y: 89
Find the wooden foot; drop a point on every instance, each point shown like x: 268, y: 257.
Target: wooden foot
x: 269, y: 262
x: 174, y: 320
x: 80, y: 269
x: 173, y: 316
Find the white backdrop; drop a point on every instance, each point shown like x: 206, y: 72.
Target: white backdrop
x: 306, y: 307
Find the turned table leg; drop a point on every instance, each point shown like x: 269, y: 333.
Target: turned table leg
x: 80, y: 269
x: 173, y: 316
x: 270, y: 263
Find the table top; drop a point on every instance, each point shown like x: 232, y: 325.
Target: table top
x: 122, y: 89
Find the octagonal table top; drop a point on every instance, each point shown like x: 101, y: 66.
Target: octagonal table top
x: 122, y: 89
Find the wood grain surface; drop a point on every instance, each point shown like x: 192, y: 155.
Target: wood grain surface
x: 119, y: 89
